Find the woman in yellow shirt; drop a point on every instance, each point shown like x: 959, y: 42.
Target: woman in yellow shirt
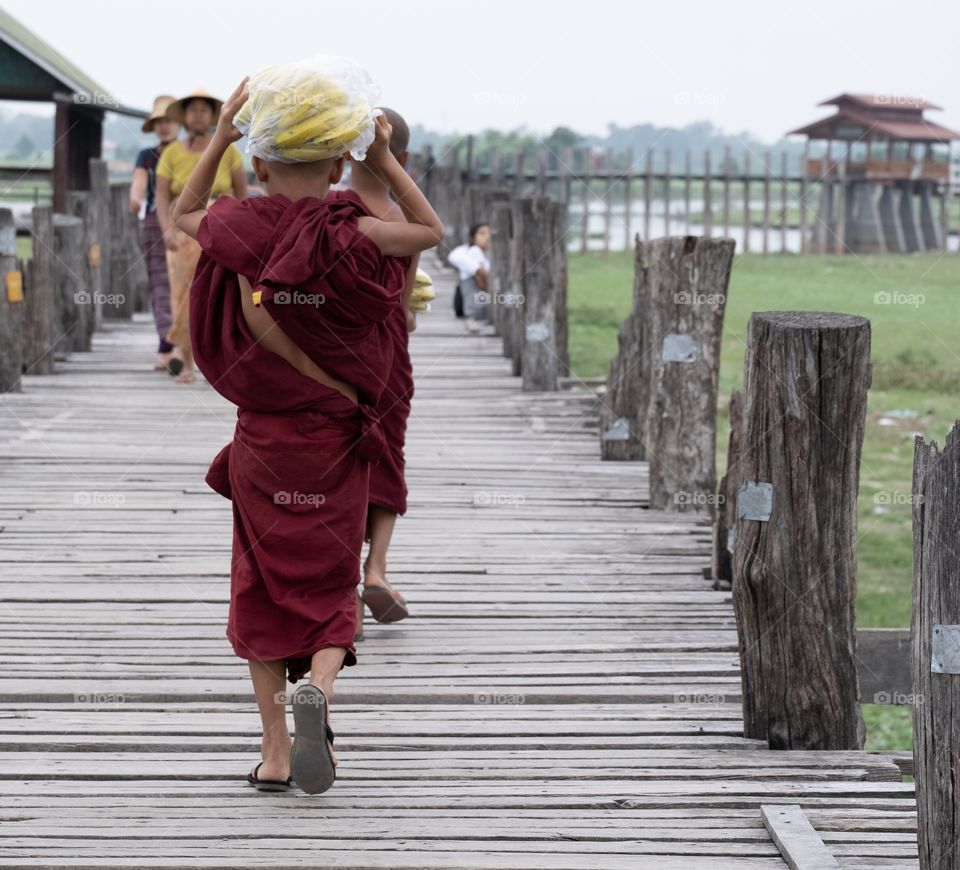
x: 197, y: 112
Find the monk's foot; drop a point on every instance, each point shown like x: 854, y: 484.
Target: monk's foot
x: 187, y: 376
x: 162, y: 362
x: 372, y: 577
x: 276, y: 759
x: 385, y: 603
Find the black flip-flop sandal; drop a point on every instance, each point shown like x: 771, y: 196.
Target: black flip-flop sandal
x: 311, y: 762
x: 268, y: 784
x: 175, y: 366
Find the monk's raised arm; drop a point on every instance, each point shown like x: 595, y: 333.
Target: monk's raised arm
x: 424, y: 229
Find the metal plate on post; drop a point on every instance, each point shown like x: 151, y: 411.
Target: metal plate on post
x: 945, y: 649
x: 619, y: 431
x: 8, y: 241
x: 538, y: 332
x: 678, y: 347
x: 755, y: 501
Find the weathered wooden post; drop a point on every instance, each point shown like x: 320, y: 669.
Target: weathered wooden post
x: 128, y: 271
x: 100, y: 233
x: 623, y: 409
x: 80, y: 204
x: 11, y: 307
x: 40, y: 299
x: 73, y: 301
x: 501, y: 239
x: 662, y: 387
x: 935, y: 643
x: 513, y: 319
x: 541, y: 280
x: 794, y: 561
x: 727, y: 499
x: 687, y: 277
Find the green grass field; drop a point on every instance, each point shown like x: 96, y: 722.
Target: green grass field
x: 916, y: 378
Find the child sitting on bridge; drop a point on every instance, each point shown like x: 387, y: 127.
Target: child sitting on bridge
x: 288, y: 314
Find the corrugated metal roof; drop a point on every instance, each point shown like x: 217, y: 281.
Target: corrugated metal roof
x: 75, y: 81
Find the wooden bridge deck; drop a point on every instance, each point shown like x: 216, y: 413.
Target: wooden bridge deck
x: 565, y: 696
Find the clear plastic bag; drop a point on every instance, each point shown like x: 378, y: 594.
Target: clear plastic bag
x: 309, y: 110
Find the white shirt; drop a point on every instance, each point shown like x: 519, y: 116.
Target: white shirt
x: 467, y: 259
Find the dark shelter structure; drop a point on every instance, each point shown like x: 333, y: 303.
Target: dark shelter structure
x: 30, y: 69
x: 884, y: 165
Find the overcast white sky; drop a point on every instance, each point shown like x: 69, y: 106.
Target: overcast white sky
x: 470, y: 64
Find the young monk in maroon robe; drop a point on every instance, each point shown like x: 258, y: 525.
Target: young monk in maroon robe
x: 388, y: 488
x: 288, y: 317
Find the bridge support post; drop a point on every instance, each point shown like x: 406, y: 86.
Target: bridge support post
x: 11, y: 307
x: 40, y: 296
x: 661, y: 396
x: 794, y: 560
x: 935, y: 641
x: 541, y: 270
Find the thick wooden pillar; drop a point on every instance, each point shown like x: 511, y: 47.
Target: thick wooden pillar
x: 794, y: 559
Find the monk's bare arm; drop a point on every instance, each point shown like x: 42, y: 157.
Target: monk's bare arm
x: 270, y: 336
x: 191, y: 207
x: 424, y: 229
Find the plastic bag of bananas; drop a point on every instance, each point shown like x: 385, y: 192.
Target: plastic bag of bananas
x: 422, y: 294
x: 309, y: 110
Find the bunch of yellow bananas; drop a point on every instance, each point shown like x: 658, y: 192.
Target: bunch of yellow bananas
x: 298, y: 113
x: 422, y: 294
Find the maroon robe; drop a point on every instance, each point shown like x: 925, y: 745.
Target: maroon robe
x: 388, y: 486
x: 297, y: 469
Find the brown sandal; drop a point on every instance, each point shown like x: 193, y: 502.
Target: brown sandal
x: 384, y: 603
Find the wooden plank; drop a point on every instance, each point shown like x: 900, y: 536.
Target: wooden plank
x: 799, y: 844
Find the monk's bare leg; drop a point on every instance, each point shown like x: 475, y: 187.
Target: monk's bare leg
x: 325, y: 666
x: 269, y: 687
x: 381, y: 523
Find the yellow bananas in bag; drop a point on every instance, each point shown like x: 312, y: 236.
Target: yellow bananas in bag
x: 422, y: 294
x: 309, y: 110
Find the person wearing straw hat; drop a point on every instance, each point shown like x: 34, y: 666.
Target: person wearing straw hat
x: 143, y: 195
x: 197, y: 112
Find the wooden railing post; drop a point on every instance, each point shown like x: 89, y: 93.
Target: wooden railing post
x: 128, y: 271
x: 794, y: 560
x: 100, y: 232
x: 501, y: 240
x: 688, y: 278
x: 727, y: 499
x: 40, y: 296
x: 11, y: 307
x: 935, y: 641
x: 662, y: 388
x: 624, y: 407
x: 73, y: 299
x: 541, y: 280
x: 80, y: 204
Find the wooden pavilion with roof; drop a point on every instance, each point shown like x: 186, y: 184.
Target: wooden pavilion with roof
x: 30, y: 69
x: 882, y: 166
